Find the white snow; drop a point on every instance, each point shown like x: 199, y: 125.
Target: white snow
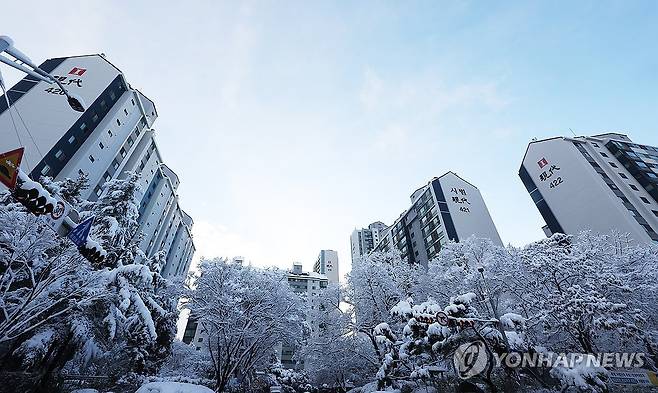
x: 512, y: 321
x: 172, y: 387
x: 583, y: 375
x: 402, y: 308
x: 466, y: 298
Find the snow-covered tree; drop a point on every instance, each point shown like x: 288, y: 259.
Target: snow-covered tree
x: 424, y: 346
x: 336, y: 355
x: 376, y: 284
x: 245, y: 312
x: 57, y: 310
x: 186, y: 364
x: 116, y: 220
x: 580, y: 294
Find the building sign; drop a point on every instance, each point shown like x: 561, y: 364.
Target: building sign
x: 68, y: 81
x: 77, y: 71
x: 551, y: 174
x: 460, y: 197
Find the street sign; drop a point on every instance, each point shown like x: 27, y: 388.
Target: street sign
x: 9, y: 164
x: 633, y: 377
x: 79, y: 234
x: 442, y: 318
x: 56, y: 218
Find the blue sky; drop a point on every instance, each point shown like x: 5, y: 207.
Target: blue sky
x: 292, y: 123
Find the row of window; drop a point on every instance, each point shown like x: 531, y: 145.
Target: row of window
x: 629, y: 206
x: 80, y: 131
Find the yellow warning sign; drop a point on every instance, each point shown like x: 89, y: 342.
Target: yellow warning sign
x: 9, y: 164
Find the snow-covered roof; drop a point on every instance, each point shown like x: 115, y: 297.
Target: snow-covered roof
x: 307, y: 275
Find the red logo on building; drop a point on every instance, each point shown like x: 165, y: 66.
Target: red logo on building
x: 77, y: 71
x: 542, y: 163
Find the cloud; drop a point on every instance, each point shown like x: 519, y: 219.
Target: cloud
x: 427, y: 93
x: 213, y: 240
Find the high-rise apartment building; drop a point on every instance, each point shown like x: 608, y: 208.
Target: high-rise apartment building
x: 364, y: 240
x: 112, y: 137
x: 327, y: 264
x: 447, y: 208
x: 308, y: 284
x: 600, y: 183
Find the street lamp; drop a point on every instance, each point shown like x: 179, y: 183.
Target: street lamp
x: 23, y: 63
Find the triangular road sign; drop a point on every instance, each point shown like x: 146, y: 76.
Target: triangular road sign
x: 79, y: 234
x: 9, y: 164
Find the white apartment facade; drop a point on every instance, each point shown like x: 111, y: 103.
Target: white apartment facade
x: 112, y: 137
x: 601, y: 183
x: 362, y: 241
x: 327, y: 264
x: 308, y: 284
x: 447, y: 208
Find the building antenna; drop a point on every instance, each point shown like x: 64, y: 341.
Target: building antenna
x: 574, y: 134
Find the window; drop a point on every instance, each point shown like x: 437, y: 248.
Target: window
x: 122, y: 152
x: 101, y: 145
x: 98, y: 191
x: 652, y: 175
x: 103, y: 104
x: 130, y: 141
x: 109, y: 132
x: 83, y: 127
x: 595, y: 144
x: 200, y: 339
x: 133, y: 101
x: 113, y: 96
x: 45, y: 170
x: 612, y: 164
x: 59, y: 154
x: 72, y: 139
x: 80, y: 172
x: 623, y: 176
x: 118, y: 122
x: 91, y: 158
x: 95, y: 118
x: 107, y: 176
x: 645, y: 200
x: 115, y: 164
x: 632, y: 186
x: 603, y: 154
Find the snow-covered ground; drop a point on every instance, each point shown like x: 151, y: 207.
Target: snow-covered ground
x: 172, y: 387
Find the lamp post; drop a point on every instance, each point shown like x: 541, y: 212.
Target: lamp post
x: 23, y: 63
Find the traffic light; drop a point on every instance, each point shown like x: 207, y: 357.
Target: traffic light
x: 93, y: 251
x: 32, y: 195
